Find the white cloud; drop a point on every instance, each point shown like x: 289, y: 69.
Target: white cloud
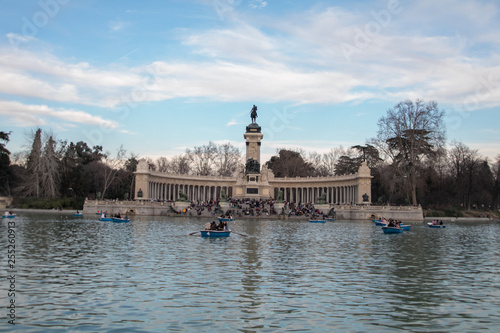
x: 257, y: 3
x: 26, y: 115
x: 232, y: 122
x: 115, y: 26
x: 16, y: 39
x: 44, y: 76
x: 296, y: 59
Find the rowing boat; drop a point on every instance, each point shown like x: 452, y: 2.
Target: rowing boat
x: 120, y: 220
x: 225, y: 219
x: 215, y: 233
x: 437, y: 226
x: 392, y: 230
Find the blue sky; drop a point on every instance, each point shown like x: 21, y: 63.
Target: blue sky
x: 161, y: 76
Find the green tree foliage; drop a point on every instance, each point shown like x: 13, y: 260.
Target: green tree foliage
x: 5, y: 171
x: 347, y: 165
x: 34, y: 167
x: 496, y: 185
x: 289, y: 163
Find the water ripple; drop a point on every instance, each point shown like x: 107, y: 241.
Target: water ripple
x: 149, y: 275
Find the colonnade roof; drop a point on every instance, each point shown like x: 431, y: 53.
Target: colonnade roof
x: 277, y: 181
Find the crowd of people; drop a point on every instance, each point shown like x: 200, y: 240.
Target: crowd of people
x: 251, y: 207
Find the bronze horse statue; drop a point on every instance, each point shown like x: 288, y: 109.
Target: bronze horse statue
x: 253, y: 114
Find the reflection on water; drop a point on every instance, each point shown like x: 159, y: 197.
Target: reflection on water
x: 149, y: 275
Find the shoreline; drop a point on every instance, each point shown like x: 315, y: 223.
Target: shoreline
x: 246, y: 217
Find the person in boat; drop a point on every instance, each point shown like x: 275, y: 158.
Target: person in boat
x: 441, y: 222
x: 213, y: 226
x: 207, y: 226
x: 221, y: 225
x: 103, y: 215
x: 391, y: 223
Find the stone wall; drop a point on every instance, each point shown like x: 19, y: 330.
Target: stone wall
x: 403, y: 213
x: 344, y: 212
x: 143, y: 208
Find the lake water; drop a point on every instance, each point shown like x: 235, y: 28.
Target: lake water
x: 149, y: 275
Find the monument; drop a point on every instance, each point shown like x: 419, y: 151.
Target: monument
x: 252, y: 182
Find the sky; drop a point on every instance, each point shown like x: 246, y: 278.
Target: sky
x: 160, y: 76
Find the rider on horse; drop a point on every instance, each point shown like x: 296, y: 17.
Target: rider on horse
x: 253, y: 114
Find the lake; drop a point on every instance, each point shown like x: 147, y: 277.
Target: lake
x: 149, y: 275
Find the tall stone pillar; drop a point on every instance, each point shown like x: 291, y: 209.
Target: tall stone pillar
x: 253, y: 136
x: 142, y: 189
x: 364, y: 184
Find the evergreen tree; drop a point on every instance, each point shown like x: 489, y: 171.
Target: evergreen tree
x: 34, y: 167
x: 5, y: 172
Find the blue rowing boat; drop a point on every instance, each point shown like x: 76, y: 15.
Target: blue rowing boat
x: 225, y: 219
x: 215, y: 233
x: 330, y: 220
x: 317, y: 221
x: 437, y: 226
x: 405, y: 227
x: 105, y: 219
x: 392, y: 230
x: 77, y: 215
x: 10, y: 216
x: 120, y: 220
x: 379, y: 222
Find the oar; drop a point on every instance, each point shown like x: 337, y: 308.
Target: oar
x: 239, y: 234
x: 191, y: 234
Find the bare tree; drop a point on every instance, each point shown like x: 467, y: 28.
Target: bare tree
x: 317, y: 162
x: 409, y: 132
x: 227, y: 159
x: 464, y: 166
x: 180, y: 164
x: 162, y: 164
x: 113, y: 164
x: 202, y: 159
x: 49, y: 178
